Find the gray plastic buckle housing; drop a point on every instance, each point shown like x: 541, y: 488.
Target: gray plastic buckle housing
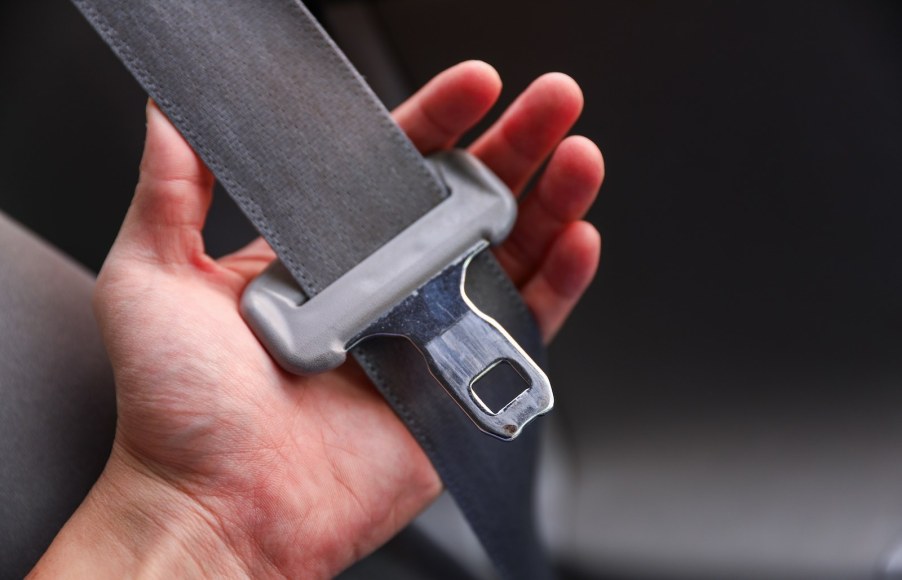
x: 413, y: 286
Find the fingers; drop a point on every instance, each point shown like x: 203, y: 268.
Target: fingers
x: 563, y: 194
x: 565, y: 274
x: 517, y: 144
x: 438, y: 114
x: 171, y: 200
x: 551, y: 255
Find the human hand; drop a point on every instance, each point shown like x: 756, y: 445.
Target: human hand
x: 222, y: 462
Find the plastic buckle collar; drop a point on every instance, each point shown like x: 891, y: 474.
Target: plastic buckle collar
x: 413, y: 287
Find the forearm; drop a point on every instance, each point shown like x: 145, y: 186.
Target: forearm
x: 132, y: 524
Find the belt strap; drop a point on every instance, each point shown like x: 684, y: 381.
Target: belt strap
x: 282, y: 119
x: 315, y: 161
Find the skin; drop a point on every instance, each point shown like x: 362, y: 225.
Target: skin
x: 225, y: 465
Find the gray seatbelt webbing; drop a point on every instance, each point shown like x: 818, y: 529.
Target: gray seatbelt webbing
x: 317, y: 164
x: 283, y: 121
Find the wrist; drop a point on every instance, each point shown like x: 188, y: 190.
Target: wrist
x: 135, y: 523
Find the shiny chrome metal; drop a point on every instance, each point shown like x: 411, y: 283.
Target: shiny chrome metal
x: 461, y: 344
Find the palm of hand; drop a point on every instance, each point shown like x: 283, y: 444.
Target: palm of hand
x: 246, y: 440
x: 276, y: 459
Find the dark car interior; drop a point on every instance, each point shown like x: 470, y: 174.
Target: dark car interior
x: 729, y: 392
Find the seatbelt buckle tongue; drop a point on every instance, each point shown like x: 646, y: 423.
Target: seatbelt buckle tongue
x: 461, y: 345
x: 412, y: 287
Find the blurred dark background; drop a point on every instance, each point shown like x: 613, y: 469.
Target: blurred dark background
x: 731, y: 388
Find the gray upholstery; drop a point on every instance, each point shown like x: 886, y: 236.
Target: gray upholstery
x: 57, y: 414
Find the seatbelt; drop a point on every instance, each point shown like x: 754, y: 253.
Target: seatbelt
x: 315, y: 161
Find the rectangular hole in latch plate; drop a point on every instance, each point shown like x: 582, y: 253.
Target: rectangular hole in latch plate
x: 498, y: 385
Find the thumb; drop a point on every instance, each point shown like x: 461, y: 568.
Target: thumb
x: 164, y: 221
